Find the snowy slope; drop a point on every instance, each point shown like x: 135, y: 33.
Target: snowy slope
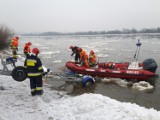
x: 16, y: 103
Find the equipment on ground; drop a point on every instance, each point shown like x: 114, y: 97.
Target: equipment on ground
x: 5, y: 61
x: 19, y: 73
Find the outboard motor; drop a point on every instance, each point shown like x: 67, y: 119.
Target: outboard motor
x: 150, y: 65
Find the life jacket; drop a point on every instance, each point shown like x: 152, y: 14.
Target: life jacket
x: 27, y: 48
x: 83, y: 55
x: 84, y: 58
x: 14, y: 42
x: 92, y: 58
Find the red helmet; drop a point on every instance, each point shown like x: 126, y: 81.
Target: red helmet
x: 17, y: 37
x: 35, y: 51
x: 79, y: 49
x: 92, y: 52
x: 29, y: 43
x: 71, y: 47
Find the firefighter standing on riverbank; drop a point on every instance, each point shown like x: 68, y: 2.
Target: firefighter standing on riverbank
x: 27, y: 49
x: 35, y: 71
x: 14, y: 47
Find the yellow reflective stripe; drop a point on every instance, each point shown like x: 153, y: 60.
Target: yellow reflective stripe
x: 14, y: 55
x: 92, y: 62
x: 32, y: 90
x: 38, y: 88
x: 91, y: 56
x: 14, y: 47
x: 40, y: 68
x: 34, y: 74
x: 31, y: 62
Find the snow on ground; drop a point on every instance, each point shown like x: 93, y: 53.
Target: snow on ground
x: 16, y: 103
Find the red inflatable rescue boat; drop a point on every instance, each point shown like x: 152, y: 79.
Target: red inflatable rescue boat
x: 126, y: 70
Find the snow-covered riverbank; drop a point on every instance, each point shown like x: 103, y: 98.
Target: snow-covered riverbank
x: 17, y: 104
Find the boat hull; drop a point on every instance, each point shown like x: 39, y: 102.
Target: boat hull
x: 118, y: 72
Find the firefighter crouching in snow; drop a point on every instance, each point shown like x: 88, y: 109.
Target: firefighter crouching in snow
x: 14, y: 47
x: 35, y: 71
x: 27, y: 49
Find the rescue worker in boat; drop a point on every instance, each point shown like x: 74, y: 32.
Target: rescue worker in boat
x: 92, y: 58
x: 83, y: 57
x: 35, y: 72
x: 14, y: 47
x: 27, y: 49
x: 110, y: 65
x: 76, y: 52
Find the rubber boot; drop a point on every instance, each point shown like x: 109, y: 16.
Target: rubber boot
x: 39, y: 92
x: 33, y: 93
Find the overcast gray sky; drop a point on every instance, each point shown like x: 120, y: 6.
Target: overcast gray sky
x: 79, y: 15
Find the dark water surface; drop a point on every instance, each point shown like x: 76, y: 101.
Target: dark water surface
x: 117, y: 48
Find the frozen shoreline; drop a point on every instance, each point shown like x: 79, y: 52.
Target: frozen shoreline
x: 17, y: 104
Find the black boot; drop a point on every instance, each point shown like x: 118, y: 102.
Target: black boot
x: 39, y: 92
x: 33, y: 93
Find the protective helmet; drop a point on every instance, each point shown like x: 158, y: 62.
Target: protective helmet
x: 29, y: 43
x: 71, y: 47
x: 79, y: 49
x: 91, y: 52
x: 17, y: 37
x: 35, y: 51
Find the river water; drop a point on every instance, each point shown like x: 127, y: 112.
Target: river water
x: 118, y: 48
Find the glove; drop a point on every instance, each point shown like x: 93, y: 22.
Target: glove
x: 81, y: 63
x: 10, y: 46
x: 44, y: 73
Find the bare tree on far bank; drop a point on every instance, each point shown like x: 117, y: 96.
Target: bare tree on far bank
x: 5, y: 36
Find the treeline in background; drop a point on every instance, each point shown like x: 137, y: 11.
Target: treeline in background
x: 6, y: 33
x: 124, y: 31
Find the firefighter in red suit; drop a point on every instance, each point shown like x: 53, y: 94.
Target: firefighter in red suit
x: 14, y: 47
x: 35, y: 72
x: 27, y: 49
